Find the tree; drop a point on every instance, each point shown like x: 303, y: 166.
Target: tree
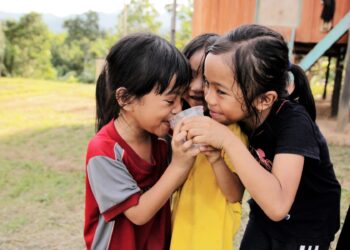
x: 184, y: 34
x: 27, y: 48
x: 184, y: 17
x: 74, y: 55
x: 85, y: 26
x: 2, y: 48
x: 138, y: 15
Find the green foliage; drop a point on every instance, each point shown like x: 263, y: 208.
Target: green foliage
x: 75, y: 53
x: 83, y: 27
x: 183, y: 35
x: 138, y: 15
x: 27, y: 48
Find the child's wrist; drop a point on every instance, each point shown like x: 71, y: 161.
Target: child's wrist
x: 216, y: 161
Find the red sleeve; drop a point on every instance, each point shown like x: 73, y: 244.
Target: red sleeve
x: 113, y: 212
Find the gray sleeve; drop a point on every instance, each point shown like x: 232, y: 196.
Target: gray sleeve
x: 110, y: 181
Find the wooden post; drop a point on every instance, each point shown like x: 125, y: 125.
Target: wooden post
x: 327, y: 76
x: 337, y: 82
x: 344, y: 103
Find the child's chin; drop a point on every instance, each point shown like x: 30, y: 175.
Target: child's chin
x: 223, y: 121
x: 162, y: 133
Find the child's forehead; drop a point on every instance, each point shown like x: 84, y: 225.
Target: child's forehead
x: 218, y: 65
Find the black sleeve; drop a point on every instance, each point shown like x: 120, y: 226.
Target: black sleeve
x: 296, y: 135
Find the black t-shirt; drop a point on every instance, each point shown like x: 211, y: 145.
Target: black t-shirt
x: 315, y: 211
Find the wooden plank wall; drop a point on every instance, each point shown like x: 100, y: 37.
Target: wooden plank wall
x: 220, y: 16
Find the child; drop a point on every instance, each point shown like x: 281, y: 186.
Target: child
x: 207, y: 211
x: 194, y: 52
x: 128, y: 180
x: 295, y: 194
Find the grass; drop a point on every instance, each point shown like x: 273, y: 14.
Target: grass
x: 44, y: 130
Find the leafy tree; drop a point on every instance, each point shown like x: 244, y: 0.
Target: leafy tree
x: 27, y: 48
x: 74, y: 54
x: 85, y: 26
x: 138, y: 15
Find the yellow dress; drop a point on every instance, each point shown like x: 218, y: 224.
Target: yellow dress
x: 202, y: 217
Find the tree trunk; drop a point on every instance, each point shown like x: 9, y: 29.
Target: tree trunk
x: 343, y: 114
x: 173, y: 24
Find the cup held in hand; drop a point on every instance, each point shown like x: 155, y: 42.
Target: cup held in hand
x: 194, y: 111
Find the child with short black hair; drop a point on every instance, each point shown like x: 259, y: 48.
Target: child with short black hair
x: 128, y: 177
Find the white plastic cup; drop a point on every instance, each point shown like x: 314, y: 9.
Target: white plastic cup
x: 194, y: 111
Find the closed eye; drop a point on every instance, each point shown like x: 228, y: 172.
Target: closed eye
x: 220, y: 92
x: 170, y: 101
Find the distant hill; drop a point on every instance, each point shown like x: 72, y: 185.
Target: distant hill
x: 106, y: 21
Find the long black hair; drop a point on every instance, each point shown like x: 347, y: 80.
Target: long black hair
x: 260, y: 63
x: 138, y: 62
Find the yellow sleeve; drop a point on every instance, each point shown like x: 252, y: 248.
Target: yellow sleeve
x: 238, y: 132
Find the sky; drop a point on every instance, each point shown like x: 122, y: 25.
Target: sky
x: 63, y: 8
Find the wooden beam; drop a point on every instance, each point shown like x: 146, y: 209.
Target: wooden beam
x: 344, y: 103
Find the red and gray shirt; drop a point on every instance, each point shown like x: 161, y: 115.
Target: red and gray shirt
x: 115, y: 179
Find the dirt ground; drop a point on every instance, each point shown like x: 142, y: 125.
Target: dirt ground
x: 328, y: 125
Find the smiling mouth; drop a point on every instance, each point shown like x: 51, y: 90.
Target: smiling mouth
x: 213, y: 113
x: 197, y: 98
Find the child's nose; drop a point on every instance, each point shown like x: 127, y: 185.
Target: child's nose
x: 177, y: 106
x: 209, y: 97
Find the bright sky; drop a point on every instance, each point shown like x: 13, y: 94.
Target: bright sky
x: 67, y: 7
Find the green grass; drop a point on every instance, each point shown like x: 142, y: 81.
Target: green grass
x: 44, y: 130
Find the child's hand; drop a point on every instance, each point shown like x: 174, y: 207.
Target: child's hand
x: 183, y: 151
x: 212, y: 154
x: 206, y: 131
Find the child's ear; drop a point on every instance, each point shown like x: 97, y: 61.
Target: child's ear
x: 266, y: 100
x: 122, y: 97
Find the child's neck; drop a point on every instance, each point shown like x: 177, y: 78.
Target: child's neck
x: 254, y: 122
x: 138, y: 139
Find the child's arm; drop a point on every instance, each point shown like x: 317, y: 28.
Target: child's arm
x: 274, y: 191
x: 155, y: 198
x: 228, y: 182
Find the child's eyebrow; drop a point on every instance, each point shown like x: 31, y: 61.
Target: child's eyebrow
x: 217, y: 84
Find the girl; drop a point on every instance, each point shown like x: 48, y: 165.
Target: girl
x: 128, y: 183
x: 295, y: 194
x: 207, y: 210
x: 194, y: 52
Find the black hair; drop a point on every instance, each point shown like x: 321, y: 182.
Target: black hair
x: 260, y: 63
x: 328, y: 10
x: 138, y: 62
x: 202, y: 41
